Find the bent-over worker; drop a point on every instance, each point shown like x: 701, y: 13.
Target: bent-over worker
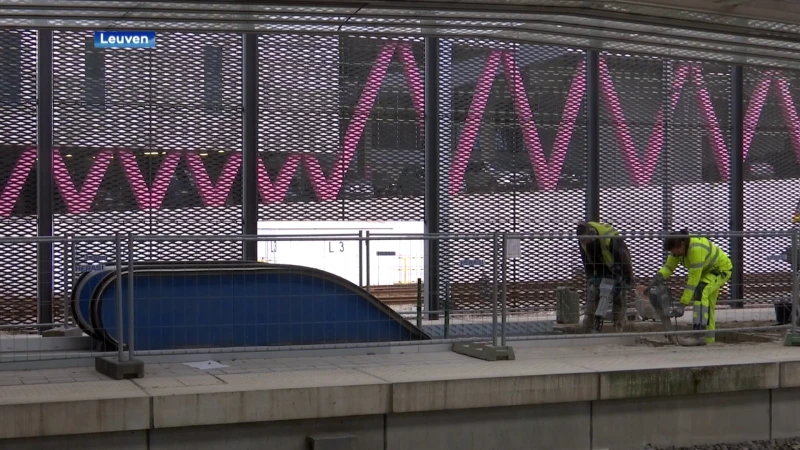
x: 604, y: 257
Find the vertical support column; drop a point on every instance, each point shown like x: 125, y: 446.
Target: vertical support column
x: 432, y: 174
x: 250, y: 142
x: 44, y: 174
x: 666, y: 203
x: 593, y: 136
x: 737, y: 185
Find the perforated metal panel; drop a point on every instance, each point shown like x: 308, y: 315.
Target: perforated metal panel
x: 517, y: 165
x: 633, y: 126
x: 148, y: 142
x: 17, y: 175
x: 340, y: 127
x: 772, y: 177
x: 665, y: 144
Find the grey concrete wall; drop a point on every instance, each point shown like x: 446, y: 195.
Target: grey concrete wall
x: 681, y: 420
x: 556, y: 426
x: 125, y: 440
x: 626, y: 424
x: 283, y: 435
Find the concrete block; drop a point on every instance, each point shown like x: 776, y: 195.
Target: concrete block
x: 484, y: 351
x: 688, y: 380
x: 214, y: 408
x: 284, y: 435
x: 129, y: 440
x: 564, y: 426
x: 119, y: 370
x: 493, y: 392
x: 332, y: 441
x: 785, y: 404
x: 791, y: 340
x: 681, y: 421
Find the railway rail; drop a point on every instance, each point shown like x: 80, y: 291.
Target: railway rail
x: 760, y: 289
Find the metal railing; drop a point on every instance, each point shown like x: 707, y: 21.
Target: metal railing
x: 509, y: 301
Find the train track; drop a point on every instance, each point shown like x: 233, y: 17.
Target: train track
x: 402, y: 294
x: 761, y: 289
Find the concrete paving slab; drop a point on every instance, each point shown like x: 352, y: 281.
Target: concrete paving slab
x: 51, y: 393
x: 407, y: 373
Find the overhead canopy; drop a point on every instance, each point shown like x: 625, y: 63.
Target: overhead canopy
x: 755, y: 32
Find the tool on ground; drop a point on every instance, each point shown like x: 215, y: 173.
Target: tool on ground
x: 660, y: 298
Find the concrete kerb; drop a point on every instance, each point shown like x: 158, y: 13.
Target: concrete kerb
x: 149, y: 403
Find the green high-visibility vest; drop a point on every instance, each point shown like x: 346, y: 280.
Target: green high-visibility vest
x: 604, y: 229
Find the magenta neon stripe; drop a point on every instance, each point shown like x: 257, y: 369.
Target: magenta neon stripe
x: 789, y: 115
x: 214, y: 194
x: 80, y: 201
x: 15, y: 182
x: 715, y: 138
x: 416, y: 86
x: 327, y: 188
x: 547, y: 172
x: 757, y: 100
x: 640, y: 170
x: 276, y: 192
x: 466, y: 141
x: 146, y: 196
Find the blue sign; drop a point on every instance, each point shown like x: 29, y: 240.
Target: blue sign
x: 124, y: 39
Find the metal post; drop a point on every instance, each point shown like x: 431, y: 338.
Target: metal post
x: 666, y: 204
x: 250, y: 145
x: 66, y: 245
x: 419, y: 303
x: 495, y: 250
x: 118, y: 284
x: 432, y: 191
x: 447, y: 311
x: 130, y: 296
x: 593, y: 136
x: 795, y: 283
x: 361, y: 258
x: 366, y: 244
x: 44, y: 174
x: 504, y: 268
x: 737, y: 186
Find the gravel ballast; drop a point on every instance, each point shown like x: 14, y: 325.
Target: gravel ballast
x: 776, y: 444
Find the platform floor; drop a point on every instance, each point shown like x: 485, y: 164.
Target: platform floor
x: 416, y: 364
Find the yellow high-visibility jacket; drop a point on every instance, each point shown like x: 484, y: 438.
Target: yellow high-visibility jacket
x: 701, y: 258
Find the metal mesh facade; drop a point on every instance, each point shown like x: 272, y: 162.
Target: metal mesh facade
x: 149, y: 142
x: 772, y: 173
x: 665, y: 140
x: 18, y: 174
x: 340, y: 128
x: 517, y: 164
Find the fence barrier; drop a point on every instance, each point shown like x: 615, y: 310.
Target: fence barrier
x: 314, y: 294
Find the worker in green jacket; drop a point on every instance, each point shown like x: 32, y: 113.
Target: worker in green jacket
x: 604, y: 257
x: 709, y: 268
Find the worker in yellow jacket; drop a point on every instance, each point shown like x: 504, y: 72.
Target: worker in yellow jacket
x: 709, y: 268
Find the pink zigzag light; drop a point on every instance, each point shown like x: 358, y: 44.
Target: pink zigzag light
x: 547, y: 172
x: 215, y: 194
